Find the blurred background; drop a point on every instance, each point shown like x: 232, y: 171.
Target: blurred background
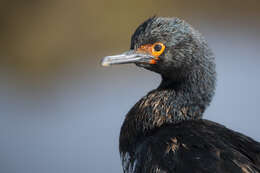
x: 60, y: 112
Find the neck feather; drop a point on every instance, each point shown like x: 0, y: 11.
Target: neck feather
x: 172, y: 102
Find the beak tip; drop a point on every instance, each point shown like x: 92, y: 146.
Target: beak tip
x: 105, y: 63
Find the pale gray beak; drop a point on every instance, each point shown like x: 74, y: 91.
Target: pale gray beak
x: 126, y: 58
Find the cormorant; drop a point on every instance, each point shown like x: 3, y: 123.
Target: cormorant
x: 164, y: 132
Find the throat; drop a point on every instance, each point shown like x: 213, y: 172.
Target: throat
x: 163, y: 106
x: 172, y: 102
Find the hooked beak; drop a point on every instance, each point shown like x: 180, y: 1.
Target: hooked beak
x: 131, y: 56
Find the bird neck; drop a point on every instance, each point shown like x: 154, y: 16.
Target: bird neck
x: 172, y: 102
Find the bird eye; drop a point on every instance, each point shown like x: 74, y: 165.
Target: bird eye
x: 157, y: 49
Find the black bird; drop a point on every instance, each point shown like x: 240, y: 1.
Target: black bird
x: 164, y: 131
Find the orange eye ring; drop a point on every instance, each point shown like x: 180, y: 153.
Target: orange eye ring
x: 157, y: 49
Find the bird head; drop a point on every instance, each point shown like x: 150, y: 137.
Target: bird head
x: 168, y: 46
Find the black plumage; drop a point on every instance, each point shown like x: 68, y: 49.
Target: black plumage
x: 164, y: 132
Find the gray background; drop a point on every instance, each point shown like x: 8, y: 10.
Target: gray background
x: 61, y: 112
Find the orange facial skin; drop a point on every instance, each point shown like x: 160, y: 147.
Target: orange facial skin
x: 150, y: 49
